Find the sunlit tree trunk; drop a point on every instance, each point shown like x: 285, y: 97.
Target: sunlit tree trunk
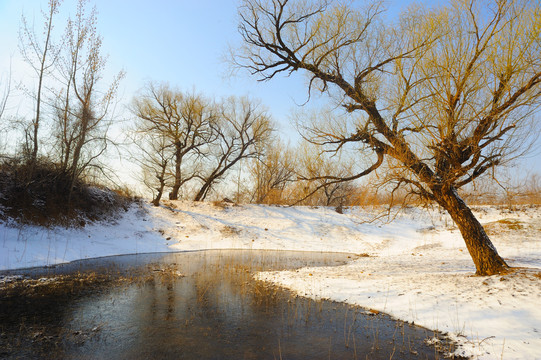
x: 161, y: 187
x: 483, y: 253
x: 173, y: 195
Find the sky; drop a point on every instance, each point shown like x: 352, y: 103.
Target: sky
x: 182, y: 42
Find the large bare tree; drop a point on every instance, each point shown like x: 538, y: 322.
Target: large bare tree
x: 243, y: 129
x: 184, y: 119
x: 443, y: 95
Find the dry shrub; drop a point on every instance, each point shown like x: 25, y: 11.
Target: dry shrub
x: 43, y: 194
x: 229, y: 231
x: 503, y: 225
x: 126, y: 192
x: 223, y: 204
x: 219, y: 204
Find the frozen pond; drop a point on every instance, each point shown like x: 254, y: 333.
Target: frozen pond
x: 191, y: 305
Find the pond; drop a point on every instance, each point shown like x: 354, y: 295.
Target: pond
x: 191, y: 305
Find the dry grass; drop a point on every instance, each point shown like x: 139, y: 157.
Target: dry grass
x: 43, y: 194
x: 512, y: 224
x: 223, y: 204
x: 169, y: 204
x: 229, y: 231
x: 58, y: 285
x: 505, y: 225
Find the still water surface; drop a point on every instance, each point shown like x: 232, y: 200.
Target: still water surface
x: 191, y: 305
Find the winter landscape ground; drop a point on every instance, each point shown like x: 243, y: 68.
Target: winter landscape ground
x: 415, y: 268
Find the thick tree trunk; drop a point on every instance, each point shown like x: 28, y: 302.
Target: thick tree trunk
x: 161, y: 179
x: 483, y: 253
x: 156, y: 200
x: 173, y: 195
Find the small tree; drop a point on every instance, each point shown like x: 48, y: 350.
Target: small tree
x: 154, y: 157
x: 272, y: 172
x: 82, y: 110
x: 313, y: 173
x: 5, y: 88
x: 444, y: 95
x: 40, y: 54
x: 242, y: 130
x: 4, y: 96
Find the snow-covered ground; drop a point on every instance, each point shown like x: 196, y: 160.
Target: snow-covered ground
x: 415, y: 268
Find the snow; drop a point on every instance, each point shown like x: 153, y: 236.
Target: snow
x: 23, y: 246
x: 415, y: 268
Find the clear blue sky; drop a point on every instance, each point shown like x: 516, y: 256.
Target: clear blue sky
x: 182, y: 42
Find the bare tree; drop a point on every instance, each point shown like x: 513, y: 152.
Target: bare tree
x: 242, y: 130
x: 314, y: 169
x: 5, y: 87
x: 83, y: 111
x: 272, y: 172
x: 185, y: 121
x: 40, y: 54
x: 445, y: 94
x: 154, y: 158
x: 314, y: 187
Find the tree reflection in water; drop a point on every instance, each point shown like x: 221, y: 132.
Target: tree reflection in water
x: 196, y: 305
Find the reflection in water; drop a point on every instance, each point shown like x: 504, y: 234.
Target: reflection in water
x: 197, y: 305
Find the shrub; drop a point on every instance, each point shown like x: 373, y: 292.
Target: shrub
x: 44, y: 194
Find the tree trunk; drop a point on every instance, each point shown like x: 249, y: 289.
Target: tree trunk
x: 482, y: 251
x: 209, y: 182
x: 202, y: 194
x: 156, y: 200
x: 173, y: 195
x: 85, y: 119
x: 161, y: 179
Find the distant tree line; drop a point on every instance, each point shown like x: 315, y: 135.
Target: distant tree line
x: 187, y: 145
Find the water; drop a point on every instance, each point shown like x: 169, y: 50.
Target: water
x: 191, y: 305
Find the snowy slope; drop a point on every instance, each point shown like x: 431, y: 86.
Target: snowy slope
x: 28, y: 246
x: 415, y: 268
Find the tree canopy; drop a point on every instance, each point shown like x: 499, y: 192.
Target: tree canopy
x: 443, y: 95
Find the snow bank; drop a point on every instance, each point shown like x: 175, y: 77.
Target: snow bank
x: 415, y: 268
x: 23, y: 246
